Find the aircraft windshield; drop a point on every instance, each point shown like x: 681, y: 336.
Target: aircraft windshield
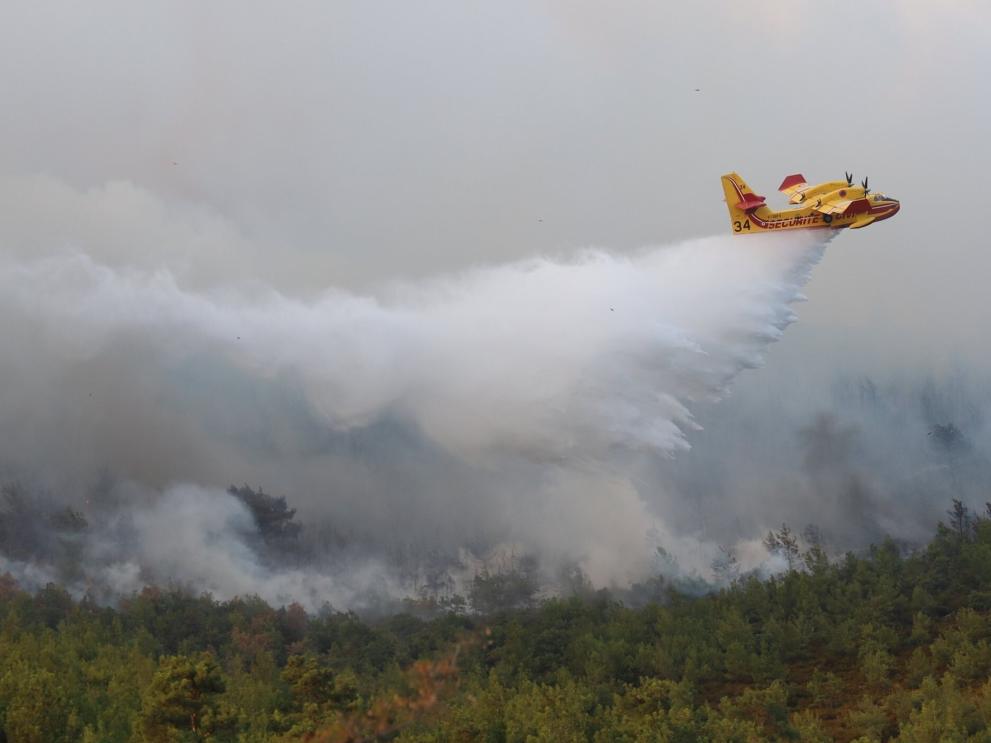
x: 882, y: 197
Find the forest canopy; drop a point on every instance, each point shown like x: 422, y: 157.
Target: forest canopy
x: 882, y: 645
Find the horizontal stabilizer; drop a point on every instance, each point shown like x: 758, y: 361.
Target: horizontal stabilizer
x: 750, y: 201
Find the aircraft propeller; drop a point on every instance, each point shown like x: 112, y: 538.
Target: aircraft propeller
x: 866, y: 189
x: 849, y: 178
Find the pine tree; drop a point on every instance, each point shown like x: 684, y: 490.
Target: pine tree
x: 182, y: 702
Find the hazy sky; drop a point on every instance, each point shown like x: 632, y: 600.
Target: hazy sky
x: 334, y: 143
x: 347, y: 145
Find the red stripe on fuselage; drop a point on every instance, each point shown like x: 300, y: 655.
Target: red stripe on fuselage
x: 765, y: 225
x: 863, y: 206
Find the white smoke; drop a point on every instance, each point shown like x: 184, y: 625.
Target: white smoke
x: 200, y: 538
x: 544, y: 356
x: 522, y: 389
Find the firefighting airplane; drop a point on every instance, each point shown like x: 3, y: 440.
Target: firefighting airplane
x: 832, y: 205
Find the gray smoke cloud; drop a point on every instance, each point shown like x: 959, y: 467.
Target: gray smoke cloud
x: 861, y: 456
x: 493, y: 407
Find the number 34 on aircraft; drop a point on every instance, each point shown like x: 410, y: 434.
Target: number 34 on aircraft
x: 832, y: 205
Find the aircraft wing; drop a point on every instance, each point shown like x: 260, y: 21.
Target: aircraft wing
x: 793, y: 186
x: 834, y: 206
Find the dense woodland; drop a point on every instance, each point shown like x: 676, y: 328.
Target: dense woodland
x: 884, y: 645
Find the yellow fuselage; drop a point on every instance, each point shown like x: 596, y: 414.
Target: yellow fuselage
x: 853, y: 206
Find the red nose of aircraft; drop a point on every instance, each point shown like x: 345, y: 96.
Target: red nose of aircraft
x: 887, y: 207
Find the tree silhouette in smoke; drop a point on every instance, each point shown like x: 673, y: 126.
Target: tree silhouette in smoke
x: 783, y: 543
x: 949, y: 438
x: 278, y: 532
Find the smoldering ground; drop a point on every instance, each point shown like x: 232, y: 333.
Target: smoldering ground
x: 497, y: 408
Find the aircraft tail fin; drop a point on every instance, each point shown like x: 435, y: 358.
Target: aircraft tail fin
x: 741, y: 202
